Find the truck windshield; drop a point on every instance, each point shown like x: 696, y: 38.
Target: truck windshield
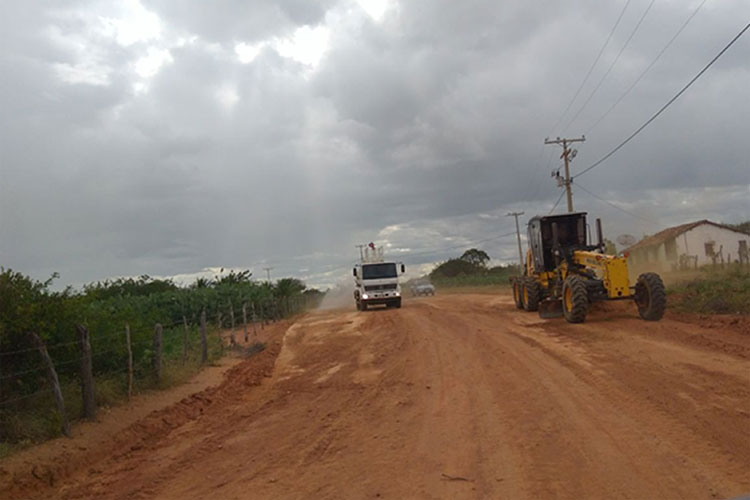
x: 379, y: 271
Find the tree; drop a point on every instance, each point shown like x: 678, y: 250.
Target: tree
x: 609, y: 247
x: 287, y: 287
x: 742, y: 226
x: 455, y: 267
x: 475, y: 257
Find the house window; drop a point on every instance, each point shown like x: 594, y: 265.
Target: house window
x: 709, y: 249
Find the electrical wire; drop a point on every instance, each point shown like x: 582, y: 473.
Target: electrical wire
x: 593, y: 65
x: 663, y: 108
x: 457, y: 247
x: 611, y: 66
x: 648, y: 68
x: 556, y: 203
x: 616, y: 206
x: 27, y: 396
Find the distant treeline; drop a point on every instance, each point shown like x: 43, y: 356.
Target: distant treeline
x: 471, y: 269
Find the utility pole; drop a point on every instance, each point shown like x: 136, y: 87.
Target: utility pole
x: 567, y: 154
x: 268, y: 273
x: 518, y: 236
x: 361, y: 255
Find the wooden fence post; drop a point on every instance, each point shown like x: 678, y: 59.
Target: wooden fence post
x: 262, y: 317
x: 244, y: 319
x: 231, y: 318
x: 130, y: 361
x: 204, y: 339
x: 218, y: 333
x: 52, y: 375
x: 87, y: 375
x: 184, y: 339
x: 156, y: 359
x: 255, y: 330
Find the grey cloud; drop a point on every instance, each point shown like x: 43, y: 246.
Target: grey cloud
x: 238, y: 20
x: 421, y: 121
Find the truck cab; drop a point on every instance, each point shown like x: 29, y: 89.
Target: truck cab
x: 377, y: 283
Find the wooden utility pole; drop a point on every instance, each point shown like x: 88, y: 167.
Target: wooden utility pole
x: 567, y: 155
x: 268, y: 273
x: 518, y: 236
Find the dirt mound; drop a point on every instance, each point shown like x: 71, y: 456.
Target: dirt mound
x: 29, y: 478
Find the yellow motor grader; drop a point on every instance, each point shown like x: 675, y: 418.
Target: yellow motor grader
x: 564, y: 274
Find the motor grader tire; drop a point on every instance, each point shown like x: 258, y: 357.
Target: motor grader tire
x: 531, y: 294
x: 575, y: 299
x: 650, y: 296
x: 517, y: 297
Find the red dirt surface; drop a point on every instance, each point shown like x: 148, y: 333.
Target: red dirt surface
x: 455, y: 396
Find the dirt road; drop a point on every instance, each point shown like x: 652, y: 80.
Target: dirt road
x: 456, y: 396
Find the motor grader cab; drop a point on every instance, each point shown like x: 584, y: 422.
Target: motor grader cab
x: 565, y: 272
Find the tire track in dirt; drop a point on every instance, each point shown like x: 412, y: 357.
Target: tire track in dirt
x: 458, y: 396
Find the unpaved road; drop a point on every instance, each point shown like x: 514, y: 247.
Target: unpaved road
x: 457, y: 396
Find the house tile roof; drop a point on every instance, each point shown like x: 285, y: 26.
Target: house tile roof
x: 673, y: 232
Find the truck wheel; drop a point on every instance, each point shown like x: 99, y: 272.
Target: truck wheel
x: 517, y: 298
x: 575, y: 299
x: 397, y: 303
x: 362, y: 306
x: 650, y: 296
x: 531, y: 294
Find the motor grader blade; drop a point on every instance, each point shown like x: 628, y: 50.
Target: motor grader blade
x: 550, y: 308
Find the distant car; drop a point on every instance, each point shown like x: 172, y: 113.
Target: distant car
x: 424, y: 289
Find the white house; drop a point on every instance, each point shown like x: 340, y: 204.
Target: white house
x: 690, y: 245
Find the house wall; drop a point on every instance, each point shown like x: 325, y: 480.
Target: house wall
x: 693, y: 243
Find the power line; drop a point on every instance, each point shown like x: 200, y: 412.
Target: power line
x: 611, y: 66
x: 457, y: 247
x: 648, y: 68
x: 616, y: 206
x: 593, y: 65
x: 556, y: 203
x: 673, y: 99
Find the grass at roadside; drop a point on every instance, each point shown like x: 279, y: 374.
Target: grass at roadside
x: 713, y: 291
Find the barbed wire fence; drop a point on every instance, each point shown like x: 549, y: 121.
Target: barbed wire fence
x: 65, y: 377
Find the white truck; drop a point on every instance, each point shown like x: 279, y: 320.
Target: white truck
x: 376, y: 281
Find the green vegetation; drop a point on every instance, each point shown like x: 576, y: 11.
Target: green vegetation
x: 716, y: 291
x: 27, y: 410
x: 742, y: 226
x: 471, y: 270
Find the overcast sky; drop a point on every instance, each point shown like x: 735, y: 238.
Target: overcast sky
x: 167, y: 137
